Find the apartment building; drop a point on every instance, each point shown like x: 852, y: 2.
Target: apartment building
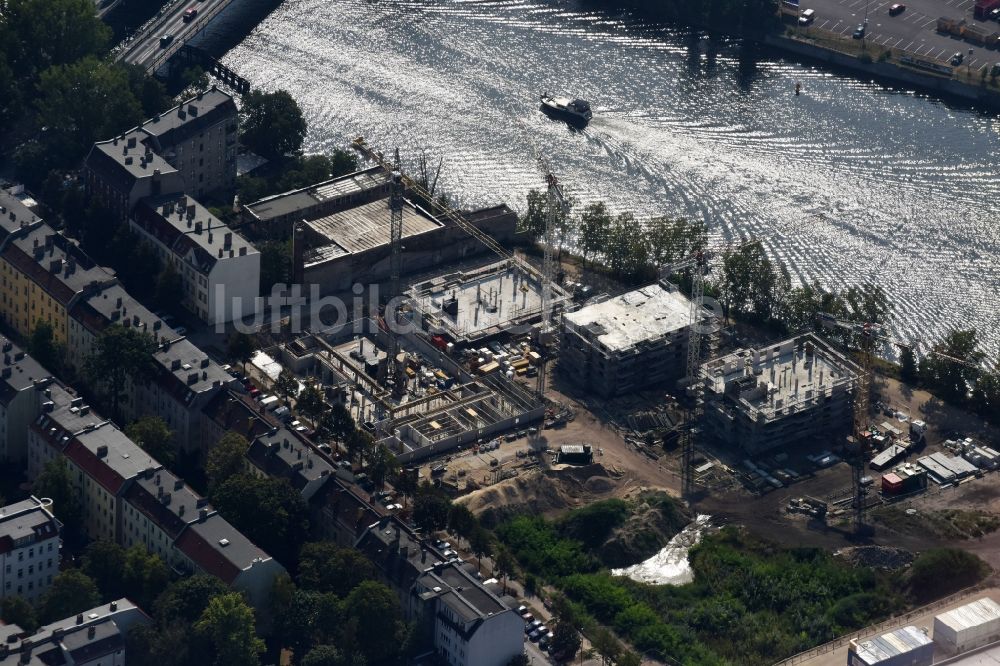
x: 473, y: 625
x: 42, y: 275
x: 198, y: 138
x: 795, y: 390
x: 29, y: 548
x: 185, y: 379
x: 127, y: 497
x: 627, y: 343
x: 219, y: 269
x: 190, y: 148
x: 23, y: 383
x: 95, y: 637
x: 280, y: 453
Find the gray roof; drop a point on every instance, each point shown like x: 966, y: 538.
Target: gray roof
x: 190, y: 230
x: 128, y: 158
x: 124, y: 456
x: 642, y: 315
x: 282, y: 453
x: 26, y: 518
x: 13, y: 213
x: 462, y: 593
x: 19, y: 371
x: 364, y: 228
x: 114, y: 304
x: 69, y: 413
x: 302, y: 199
x: 191, y: 367
x: 190, y: 116
x: 56, y: 263
x: 165, y: 499
x: 218, y: 548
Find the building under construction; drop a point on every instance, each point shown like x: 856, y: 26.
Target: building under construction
x: 473, y: 304
x: 627, y: 343
x: 792, y: 392
x: 353, y: 246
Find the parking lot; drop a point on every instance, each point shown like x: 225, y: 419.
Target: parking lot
x: 913, y: 31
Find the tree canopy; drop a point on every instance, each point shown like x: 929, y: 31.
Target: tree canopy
x: 71, y: 592
x: 226, y: 459
x: 272, y: 124
x: 120, y: 355
x: 152, y: 434
x: 228, y: 623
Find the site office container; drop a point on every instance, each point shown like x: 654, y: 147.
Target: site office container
x: 951, y: 26
x: 968, y: 627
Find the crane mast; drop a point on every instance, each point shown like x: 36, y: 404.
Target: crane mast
x: 546, y: 334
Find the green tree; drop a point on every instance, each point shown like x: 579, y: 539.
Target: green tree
x: 461, y: 521
x: 272, y: 124
x: 82, y: 102
x: 532, y: 222
x: 10, y: 94
x: 275, y: 264
x: 481, y: 543
x: 867, y: 303
x: 373, y: 621
x: 595, y: 227
x: 327, y: 655
x: 286, y: 386
x: 382, y: 464
x: 17, y: 610
x: 670, y: 240
x: 104, y: 562
x: 56, y: 483
x: 908, y: 365
x: 184, y: 601
x: 629, y: 659
x: 311, y: 402
x: 503, y: 563
x: 607, y: 645
x: 169, y: 284
x: 565, y: 639
x: 120, y: 355
x: 430, y: 509
x: 152, y: 95
x: 986, y: 395
x: 47, y: 33
x: 43, y: 347
x: 519, y: 660
x: 952, y: 370
x: 226, y: 459
x: 71, y: 592
x: 152, y: 434
x: 228, y: 623
x: 337, y: 423
x: 326, y: 567
x: 144, y: 575
x: 752, y: 285
x: 268, y: 511
x: 240, y: 347
x: 941, y: 571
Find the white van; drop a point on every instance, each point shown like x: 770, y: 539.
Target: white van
x: 807, y: 16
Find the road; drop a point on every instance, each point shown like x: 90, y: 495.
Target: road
x: 145, y: 48
x: 914, y: 30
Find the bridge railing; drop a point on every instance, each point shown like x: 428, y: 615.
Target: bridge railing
x: 193, y: 28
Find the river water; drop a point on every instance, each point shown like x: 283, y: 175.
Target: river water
x: 849, y: 182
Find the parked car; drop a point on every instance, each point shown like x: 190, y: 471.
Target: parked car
x: 807, y: 17
x: 190, y: 13
x: 957, y: 58
x: 897, y: 9
x: 859, y: 32
x: 165, y: 40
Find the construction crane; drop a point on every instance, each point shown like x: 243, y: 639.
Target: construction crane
x: 395, y: 267
x: 867, y: 336
x: 697, y: 263
x: 547, y: 334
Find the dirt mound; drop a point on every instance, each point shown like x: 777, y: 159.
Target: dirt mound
x: 544, y: 492
x: 877, y: 557
x: 655, y: 521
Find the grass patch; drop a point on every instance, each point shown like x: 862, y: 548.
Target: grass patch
x: 950, y: 524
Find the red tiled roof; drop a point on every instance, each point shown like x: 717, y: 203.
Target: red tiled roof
x: 83, y: 458
x: 206, y: 555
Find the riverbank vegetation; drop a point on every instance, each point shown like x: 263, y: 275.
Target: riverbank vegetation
x: 751, y: 601
x: 754, y: 289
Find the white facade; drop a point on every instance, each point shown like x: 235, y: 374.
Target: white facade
x: 497, y: 640
x: 29, y: 549
x: 968, y: 627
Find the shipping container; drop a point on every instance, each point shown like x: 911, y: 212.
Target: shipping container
x: 492, y: 366
x: 907, y: 646
x: 968, y: 627
x: 950, y: 26
x: 975, y: 35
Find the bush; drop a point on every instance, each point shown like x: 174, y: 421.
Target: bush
x: 942, y: 571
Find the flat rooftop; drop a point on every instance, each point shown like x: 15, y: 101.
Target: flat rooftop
x: 639, y: 316
x: 182, y: 223
x: 363, y: 228
x: 781, y: 376
x: 279, y: 205
x: 478, y: 302
x: 130, y: 153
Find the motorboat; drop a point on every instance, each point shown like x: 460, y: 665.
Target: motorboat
x: 576, y: 112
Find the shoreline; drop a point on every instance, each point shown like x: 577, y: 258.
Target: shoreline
x: 886, y: 71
